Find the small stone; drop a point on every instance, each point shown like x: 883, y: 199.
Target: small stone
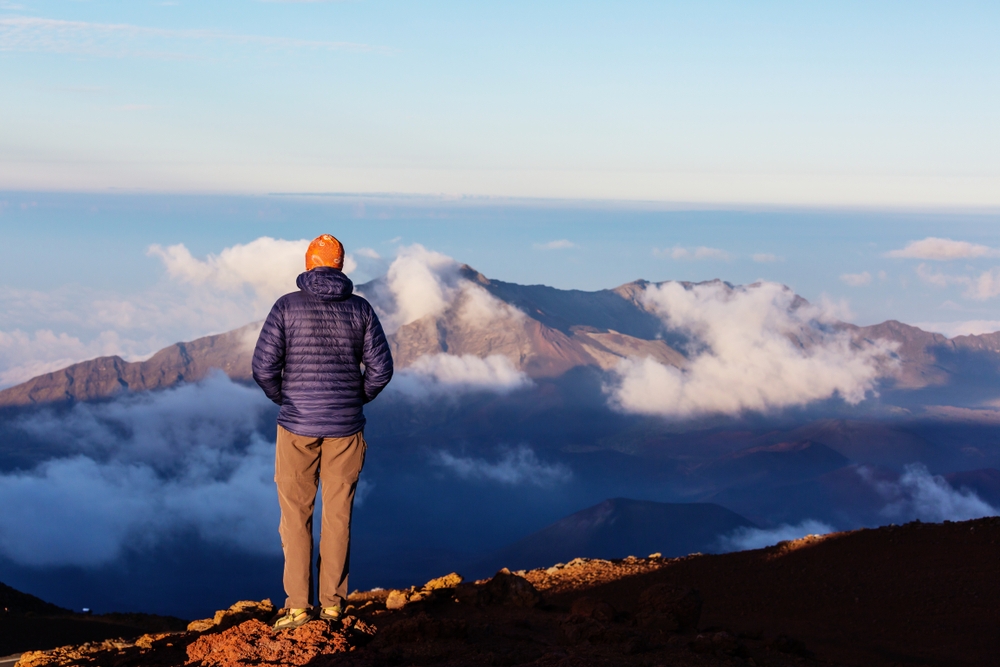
x: 656, y: 555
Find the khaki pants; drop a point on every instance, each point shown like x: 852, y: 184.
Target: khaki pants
x: 301, y: 462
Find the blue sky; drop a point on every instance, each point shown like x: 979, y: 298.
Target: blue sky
x: 580, y: 145
x: 848, y: 103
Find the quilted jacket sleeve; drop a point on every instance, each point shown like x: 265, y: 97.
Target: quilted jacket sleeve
x: 376, y: 357
x: 269, y: 355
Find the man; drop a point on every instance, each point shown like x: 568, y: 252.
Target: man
x: 308, y: 360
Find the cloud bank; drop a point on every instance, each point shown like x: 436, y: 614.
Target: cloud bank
x: 744, y: 539
x: 514, y: 467
x: 919, y: 495
x: 756, y: 348
x: 142, y: 469
x: 422, y: 286
x: 266, y: 266
x: 437, y: 375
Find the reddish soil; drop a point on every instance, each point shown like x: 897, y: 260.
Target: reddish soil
x: 920, y: 594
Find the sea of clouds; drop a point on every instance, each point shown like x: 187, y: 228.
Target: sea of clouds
x: 145, y: 467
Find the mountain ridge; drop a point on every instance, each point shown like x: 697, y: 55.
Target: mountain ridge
x: 551, y: 332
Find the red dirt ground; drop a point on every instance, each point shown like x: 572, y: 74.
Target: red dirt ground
x: 919, y: 594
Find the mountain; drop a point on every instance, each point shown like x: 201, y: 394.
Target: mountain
x: 786, y: 461
x: 105, y: 377
x: 543, y: 331
x: 621, y: 527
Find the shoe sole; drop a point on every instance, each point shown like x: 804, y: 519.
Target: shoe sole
x: 292, y: 625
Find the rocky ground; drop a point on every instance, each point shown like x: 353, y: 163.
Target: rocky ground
x: 899, y: 595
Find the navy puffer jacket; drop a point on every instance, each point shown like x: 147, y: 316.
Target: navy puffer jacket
x: 309, y: 354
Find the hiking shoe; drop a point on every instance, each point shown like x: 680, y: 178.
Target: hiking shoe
x: 293, y: 618
x: 330, y: 613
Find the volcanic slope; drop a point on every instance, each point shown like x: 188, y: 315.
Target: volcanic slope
x: 543, y: 331
x: 915, y: 594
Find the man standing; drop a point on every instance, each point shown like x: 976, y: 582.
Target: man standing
x: 309, y: 360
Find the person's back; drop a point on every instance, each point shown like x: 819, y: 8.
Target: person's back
x: 308, y: 360
x: 309, y: 354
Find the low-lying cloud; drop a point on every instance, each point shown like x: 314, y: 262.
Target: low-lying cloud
x: 918, y: 494
x: 744, y: 539
x: 141, y: 469
x: 436, y: 375
x: 756, y: 348
x: 513, y: 467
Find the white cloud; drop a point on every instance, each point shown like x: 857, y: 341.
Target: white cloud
x: 367, y: 252
x: 422, y: 283
x: 743, y: 539
x: 561, y: 244
x: 514, y: 467
x: 435, y: 375
x: 765, y: 258
x: 756, y: 349
x: 419, y: 283
x: 939, y: 249
x: 267, y: 266
x: 33, y: 34
x: 701, y: 252
x: 919, y: 495
x: 856, y: 279
x: 24, y: 355
x: 263, y: 269
x: 144, y: 468
x: 980, y: 288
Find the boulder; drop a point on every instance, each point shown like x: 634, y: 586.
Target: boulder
x: 244, y: 610
x: 509, y: 589
x: 447, y: 581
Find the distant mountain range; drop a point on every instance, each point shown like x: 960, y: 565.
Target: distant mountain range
x: 560, y: 330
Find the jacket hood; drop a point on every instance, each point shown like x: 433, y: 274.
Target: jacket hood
x: 326, y: 283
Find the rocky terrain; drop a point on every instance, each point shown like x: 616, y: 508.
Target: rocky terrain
x: 912, y: 594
